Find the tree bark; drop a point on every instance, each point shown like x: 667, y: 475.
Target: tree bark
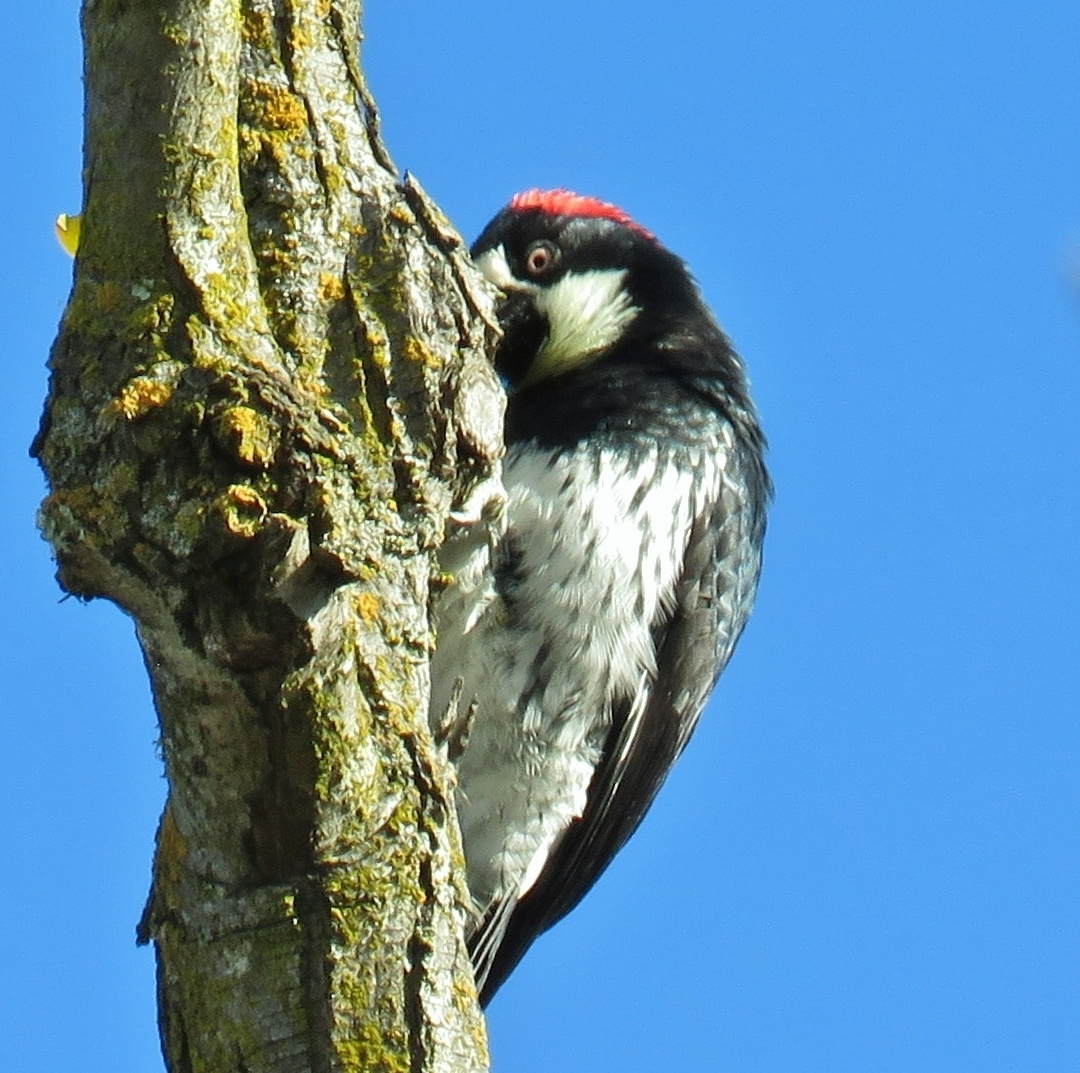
x: 269, y: 387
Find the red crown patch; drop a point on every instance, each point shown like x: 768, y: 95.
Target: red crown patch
x: 567, y: 203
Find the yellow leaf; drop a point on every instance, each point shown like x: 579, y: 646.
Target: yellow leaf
x: 67, y: 230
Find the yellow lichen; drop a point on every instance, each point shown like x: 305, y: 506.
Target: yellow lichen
x: 138, y: 397
x: 371, y: 1050
x: 367, y: 607
x: 379, y: 344
x: 258, y: 29
x: 276, y: 108
x: 331, y: 287
x: 402, y: 213
x: 153, y: 316
x: 299, y: 37
x: 248, y: 435
x: 175, y: 32
x: 224, y: 299
x: 241, y: 510
x: 288, y: 903
x: 419, y: 354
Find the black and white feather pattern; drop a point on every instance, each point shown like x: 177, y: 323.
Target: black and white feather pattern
x: 588, y: 650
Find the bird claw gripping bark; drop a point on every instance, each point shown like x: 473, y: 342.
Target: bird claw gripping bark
x: 486, y: 503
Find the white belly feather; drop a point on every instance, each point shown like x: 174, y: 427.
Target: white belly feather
x: 598, y: 543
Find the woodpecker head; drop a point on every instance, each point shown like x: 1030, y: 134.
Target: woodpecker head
x: 585, y: 288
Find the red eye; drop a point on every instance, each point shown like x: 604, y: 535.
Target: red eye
x: 539, y: 257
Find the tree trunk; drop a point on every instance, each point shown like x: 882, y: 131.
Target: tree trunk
x: 268, y: 388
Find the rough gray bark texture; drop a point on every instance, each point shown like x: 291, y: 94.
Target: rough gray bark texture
x: 268, y: 388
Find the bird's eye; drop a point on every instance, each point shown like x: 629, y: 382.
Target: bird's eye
x: 540, y: 257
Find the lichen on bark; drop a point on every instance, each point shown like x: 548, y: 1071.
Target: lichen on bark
x: 269, y: 386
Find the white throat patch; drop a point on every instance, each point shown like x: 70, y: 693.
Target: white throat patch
x: 587, y: 312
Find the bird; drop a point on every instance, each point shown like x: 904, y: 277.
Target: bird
x: 591, y: 606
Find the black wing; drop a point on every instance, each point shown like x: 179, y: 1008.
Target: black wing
x: 714, y: 597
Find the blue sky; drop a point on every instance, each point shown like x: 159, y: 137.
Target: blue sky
x: 868, y: 859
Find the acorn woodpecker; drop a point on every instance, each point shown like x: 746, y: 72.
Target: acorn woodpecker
x: 589, y: 618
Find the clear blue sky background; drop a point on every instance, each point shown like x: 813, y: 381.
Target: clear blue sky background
x: 868, y: 860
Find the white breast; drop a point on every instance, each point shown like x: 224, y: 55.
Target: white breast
x: 597, y: 544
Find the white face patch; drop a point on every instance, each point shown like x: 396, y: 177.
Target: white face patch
x: 587, y: 312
